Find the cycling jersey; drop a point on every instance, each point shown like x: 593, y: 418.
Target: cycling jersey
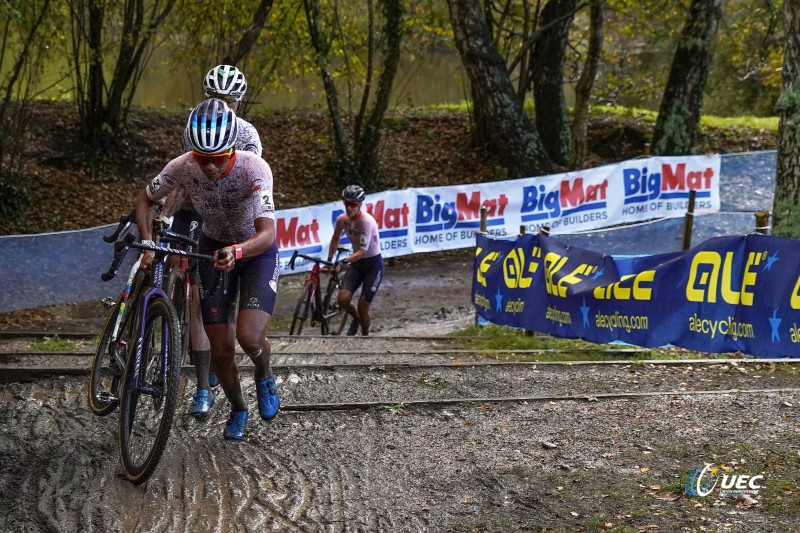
x: 229, y: 205
x: 362, y: 232
x: 247, y: 138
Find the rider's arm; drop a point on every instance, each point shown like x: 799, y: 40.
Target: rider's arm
x: 337, y: 232
x: 144, y: 216
x: 255, y: 245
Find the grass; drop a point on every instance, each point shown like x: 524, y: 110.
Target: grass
x: 492, y: 338
x: 53, y: 344
x: 646, y: 115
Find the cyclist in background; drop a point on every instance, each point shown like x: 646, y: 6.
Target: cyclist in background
x: 232, y: 192
x: 366, y: 262
x: 227, y: 83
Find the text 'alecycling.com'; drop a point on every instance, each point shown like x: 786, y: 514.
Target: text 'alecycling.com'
x: 620, y: 321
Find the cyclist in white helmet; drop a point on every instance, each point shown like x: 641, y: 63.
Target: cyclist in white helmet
x: 232, y: 192
x: 227, y: 83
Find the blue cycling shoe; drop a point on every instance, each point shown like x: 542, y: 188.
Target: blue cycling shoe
x: 213, y: 379
x: 236, y: 427
x: 353, y: 328
x: 202, y: 403
x: 268, y: 401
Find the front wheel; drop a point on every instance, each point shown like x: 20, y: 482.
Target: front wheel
x: 302, y: 309
x: 149, y: 393
x: 335, y: 316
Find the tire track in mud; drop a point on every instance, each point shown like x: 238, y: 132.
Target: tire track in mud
x: 344, y: 471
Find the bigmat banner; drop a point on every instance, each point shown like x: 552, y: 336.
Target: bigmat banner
x: 727, y: 294
x: 446, y: 218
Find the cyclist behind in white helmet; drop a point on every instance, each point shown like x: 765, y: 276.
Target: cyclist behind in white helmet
x: 366, y: 262
x: 228, y: 83
x: 232, y: 191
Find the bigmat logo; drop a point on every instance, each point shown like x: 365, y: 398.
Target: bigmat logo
x: 669, y: 182
x: 293, y: 235
x: 539, y: 203
x: 392, y: 221
x: 434, y: 214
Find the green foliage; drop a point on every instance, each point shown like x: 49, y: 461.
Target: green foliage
x: 53, y: 344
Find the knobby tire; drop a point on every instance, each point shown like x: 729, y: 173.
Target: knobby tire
x: 152, y: 404
x: 176, y: 292
x: 302, y: 309
x: 105, y: 376
x: 336, y: 317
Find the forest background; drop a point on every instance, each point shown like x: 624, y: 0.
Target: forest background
x: 547, y: 86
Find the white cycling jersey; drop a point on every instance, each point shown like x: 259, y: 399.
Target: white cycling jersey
x: 247, y: 138
x: 230, y: 205
x: 362, y: 232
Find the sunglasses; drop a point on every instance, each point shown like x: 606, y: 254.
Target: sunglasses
x: 352, y: 204
x: 215, y: 159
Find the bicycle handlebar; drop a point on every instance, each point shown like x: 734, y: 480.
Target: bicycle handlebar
x: 125, y: 222
x: 319, y: 260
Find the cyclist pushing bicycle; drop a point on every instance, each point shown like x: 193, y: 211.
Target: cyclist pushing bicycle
x: 232, y: 192
x: 227, y: 83
x: 366, y: 262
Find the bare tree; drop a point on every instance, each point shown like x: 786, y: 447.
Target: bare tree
x: 103, y: 104
x: 356, y: 147
x: 786, y: 215
x: 682, y: 102
x: 583, y: 89
x: 500, y: 123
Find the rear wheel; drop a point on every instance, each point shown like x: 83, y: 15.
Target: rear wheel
x: 301, y: 310
x: 176, y: 292
x: 149, y: 393
x: 111, y: 354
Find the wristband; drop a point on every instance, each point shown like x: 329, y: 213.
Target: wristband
x: 237, y: 252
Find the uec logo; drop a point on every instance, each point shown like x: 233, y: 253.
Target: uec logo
x: 703, y: 480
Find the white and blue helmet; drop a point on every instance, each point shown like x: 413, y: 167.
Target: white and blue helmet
x: 212, y: 127
x: 225, y: 80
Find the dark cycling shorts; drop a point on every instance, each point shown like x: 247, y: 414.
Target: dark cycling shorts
x: 187, y: 222
x: 369, y: 272
x: 254, y: 280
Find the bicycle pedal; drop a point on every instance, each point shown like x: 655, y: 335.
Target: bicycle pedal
x: 108, y: 302
x: 106, y: 396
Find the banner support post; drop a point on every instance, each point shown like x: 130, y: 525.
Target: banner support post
x: 762, y: 222
x: 688, y: 221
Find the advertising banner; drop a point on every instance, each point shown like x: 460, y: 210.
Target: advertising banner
x: 728, y: 294
x: 445, y: 218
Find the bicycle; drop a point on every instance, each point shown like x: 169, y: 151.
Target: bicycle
x: 321, y: 309
x: 135, y: 365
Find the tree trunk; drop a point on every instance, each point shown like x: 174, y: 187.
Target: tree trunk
x: 682, y: 103
x: 583, y: 89
x: 500, y: 123
x: 368, y: 136
x: 250, y: 35
x: 552, y: 120
x: 786, y: 215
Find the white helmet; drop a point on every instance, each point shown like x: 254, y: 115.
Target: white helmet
x: 225, y: 80
x: 212, y: 127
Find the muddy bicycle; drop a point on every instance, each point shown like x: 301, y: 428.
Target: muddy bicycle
x: 136, y: 364
x: 313, y: 305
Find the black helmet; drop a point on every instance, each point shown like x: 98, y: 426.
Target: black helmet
x: 353, y: 193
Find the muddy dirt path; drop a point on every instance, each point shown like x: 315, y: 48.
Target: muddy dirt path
x: 599, y: 461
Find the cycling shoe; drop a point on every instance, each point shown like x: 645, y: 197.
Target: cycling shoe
x: 236, y: 427
x: 268, y: 401
x: 202, y: 403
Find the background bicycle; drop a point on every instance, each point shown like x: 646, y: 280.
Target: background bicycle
x: 137, y: 361
x: 321, y: 308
